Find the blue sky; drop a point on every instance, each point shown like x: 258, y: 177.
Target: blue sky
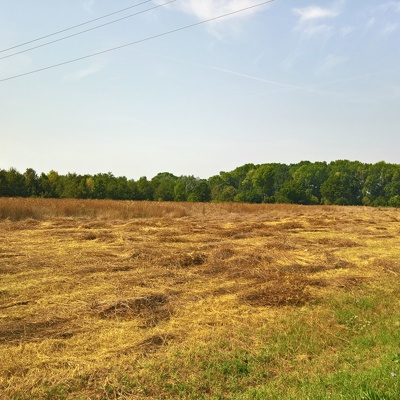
x: 283, y: 82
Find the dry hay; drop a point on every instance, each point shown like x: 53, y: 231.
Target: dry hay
x: 151, y: 309
x: 348, y: 283
x: 16, y: 332
x: 114, y: 291
x: 291, y: 226
x: 284, y: 291
x: 337, y: 242
x: 183, y: 260
x: 388, y: 265
x: 154, y: 343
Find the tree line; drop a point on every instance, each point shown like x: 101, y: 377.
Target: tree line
x: 340, y: 182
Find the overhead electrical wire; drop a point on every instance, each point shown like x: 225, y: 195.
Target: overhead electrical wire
x: 87, y: 30
x: 137, y: 41
x: 75, y: 26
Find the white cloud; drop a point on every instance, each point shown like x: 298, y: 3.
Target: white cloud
x: 329, y: 62
x: 389, y: 28
x: 312, y: 19
x: 291, y: 60
x: 207, y: 9
x: 393, y: 5
x: 314, y: 12
x: 384, y: 19
x: 371, y: 22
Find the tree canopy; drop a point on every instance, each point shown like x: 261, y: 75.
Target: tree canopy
x: 340, y: 182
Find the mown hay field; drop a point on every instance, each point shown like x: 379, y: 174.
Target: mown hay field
x: 140, y: 300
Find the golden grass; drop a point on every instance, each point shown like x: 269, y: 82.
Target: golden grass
x: 92, y: 292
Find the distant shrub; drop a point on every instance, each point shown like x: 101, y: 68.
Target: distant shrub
x: 394, y: 201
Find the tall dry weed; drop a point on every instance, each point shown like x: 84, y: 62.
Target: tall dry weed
x: 18, y: 209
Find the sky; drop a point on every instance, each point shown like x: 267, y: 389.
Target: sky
x: 285, y: 81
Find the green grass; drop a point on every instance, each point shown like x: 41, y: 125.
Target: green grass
x: 296, y: 359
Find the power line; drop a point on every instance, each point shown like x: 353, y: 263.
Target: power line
x: 87, y: 30
x: 75, y: 26
x: 137, y: 41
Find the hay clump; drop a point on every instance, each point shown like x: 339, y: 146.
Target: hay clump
x: 151, y: 309
x: 184, y: 260
x: 154, y: 343
x: 278, y: 293
x: 24, y: 332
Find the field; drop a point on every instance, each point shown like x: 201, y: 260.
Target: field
x: 141, y: 300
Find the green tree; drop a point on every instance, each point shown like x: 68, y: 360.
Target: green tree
x: 117, y: 187
x: 73, y: 186
x: 183, y: 187
x: 3, y: 183
x: 381, y: 184
x: 163, y: 185
x: 201, y: 192
x: 310, y: 177
x: 48, y: 185
x: 263, y: 179
x: 344, y: 183
x: 216, y: 185
x: 248, y: 192
x: 228, y: 194
x: 392, y: 188
x: 238, y: 175
x: 89, y: 184
x: 31, y: 182
x: 15, y: 184
x: 378, y: 177
x: 293, y: 192
x: 133, y: 191
x: 100, y: 186
x: 180, y: 193
x: 394, y: 201
x: 145, y: 189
